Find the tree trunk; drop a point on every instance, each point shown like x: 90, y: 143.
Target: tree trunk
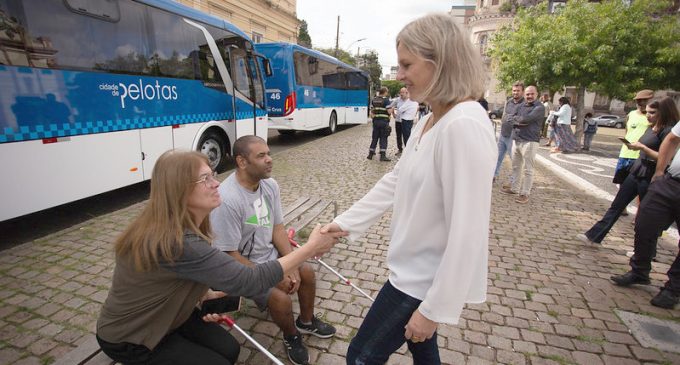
x: 580, y: 106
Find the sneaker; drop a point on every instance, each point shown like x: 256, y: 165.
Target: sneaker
x: 507, y: 190
x: 583, y: 238
x: 522, y: 199
x: 295, y: 349
x: 629, y: 279
x: 665, y: 299
x: 317, y: 328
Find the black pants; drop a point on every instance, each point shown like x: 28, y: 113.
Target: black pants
x: 629, y: 189
x: 659, y: 208
x: 403, y: 131
x: 379, y: 133
x: 194, y: 342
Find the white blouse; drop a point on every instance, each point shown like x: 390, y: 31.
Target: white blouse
x: 440, y: 192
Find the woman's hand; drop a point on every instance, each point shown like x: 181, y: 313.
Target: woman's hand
x: 331, y: 228
x: 324, y: 241
x: 419, y: 328
x: 212, y: 318
x: 636, y: 146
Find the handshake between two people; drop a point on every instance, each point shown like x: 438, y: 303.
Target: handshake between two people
x: 322, y: 239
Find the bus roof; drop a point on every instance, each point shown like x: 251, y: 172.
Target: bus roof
x: 194, y: 14
x: 312, y: 52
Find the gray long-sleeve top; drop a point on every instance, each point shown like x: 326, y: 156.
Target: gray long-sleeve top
x: 529, y: 114
x: 510, y: 110
x: 142, y: 307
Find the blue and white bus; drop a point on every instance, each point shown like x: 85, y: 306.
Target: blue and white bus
x: 93, y: 91
x: 310, y: 90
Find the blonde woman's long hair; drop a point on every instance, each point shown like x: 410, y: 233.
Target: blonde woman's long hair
x: 458, y: 73
x: 158, y: 231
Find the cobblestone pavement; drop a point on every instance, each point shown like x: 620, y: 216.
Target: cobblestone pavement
x: 550, y: 300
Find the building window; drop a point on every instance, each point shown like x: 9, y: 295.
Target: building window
x: 483, y: 41
x: 257, y: 37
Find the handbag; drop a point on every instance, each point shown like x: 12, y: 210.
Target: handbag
x: 620, y: 175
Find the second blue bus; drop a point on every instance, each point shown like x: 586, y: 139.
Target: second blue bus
x: 310, y: 90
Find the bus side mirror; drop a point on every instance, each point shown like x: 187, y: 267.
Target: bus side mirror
x: 267, y: 67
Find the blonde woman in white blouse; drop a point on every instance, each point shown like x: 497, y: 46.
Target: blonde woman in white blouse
x: 440, y: 193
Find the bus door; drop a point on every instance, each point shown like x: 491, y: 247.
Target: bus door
x: 243, y: 89
x: 258, y: 92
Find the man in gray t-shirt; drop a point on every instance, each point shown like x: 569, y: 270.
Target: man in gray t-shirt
x: 245, y: 220
x: 248, y: 225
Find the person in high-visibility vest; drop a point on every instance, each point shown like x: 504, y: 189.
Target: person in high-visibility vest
x: 380, y: 114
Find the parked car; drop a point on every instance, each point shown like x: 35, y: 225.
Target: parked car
x: 608, y: 120
x: 496, y: 113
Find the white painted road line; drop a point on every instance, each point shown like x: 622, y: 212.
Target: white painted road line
x: 588, y: 187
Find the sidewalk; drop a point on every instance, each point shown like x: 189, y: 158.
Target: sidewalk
x: 550, y: 300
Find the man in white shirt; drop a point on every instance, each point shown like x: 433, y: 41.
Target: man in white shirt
x: 659, y: 208
x: 405, y: 111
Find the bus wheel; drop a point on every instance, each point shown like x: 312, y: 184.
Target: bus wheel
x: 213, y: 146
x: 332, y: 123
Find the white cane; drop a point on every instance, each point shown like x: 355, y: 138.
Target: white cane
x: 228, y: 322
x: 291, y: 234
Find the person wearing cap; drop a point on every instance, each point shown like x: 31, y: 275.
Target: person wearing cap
x: 636, y: 125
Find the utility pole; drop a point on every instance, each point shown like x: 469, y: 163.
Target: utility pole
x: 337, y: 37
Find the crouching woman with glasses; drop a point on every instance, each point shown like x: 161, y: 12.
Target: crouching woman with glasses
x: 165, y: 266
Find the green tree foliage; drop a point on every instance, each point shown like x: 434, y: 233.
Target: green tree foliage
x: 369, y: 63
x: 303, y: 38
x: 607, y: 47
x: 394, y: 86
x: 343, y: 56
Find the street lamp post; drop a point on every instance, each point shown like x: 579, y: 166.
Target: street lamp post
x: 351, y: 44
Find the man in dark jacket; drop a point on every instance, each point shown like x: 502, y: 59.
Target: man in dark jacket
x: 527, y: 123
x: 505, y: 139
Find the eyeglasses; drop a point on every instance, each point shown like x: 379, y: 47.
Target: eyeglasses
x: 206, y: 178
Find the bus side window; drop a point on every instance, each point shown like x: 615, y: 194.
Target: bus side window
x: 256, y: 81
x: 313, y: 65
x: 239, y: 71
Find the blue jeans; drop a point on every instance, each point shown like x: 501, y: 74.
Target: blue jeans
x: 382, y: 332
x: 504, y: 148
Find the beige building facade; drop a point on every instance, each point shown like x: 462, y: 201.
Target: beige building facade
x: 262, y: 20
x: 489, y: 17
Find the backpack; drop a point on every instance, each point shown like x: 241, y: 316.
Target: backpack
x: 590, y: 128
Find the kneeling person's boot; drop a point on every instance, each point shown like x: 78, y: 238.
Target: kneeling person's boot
x: 383, y: 157
x: 370, y: 155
